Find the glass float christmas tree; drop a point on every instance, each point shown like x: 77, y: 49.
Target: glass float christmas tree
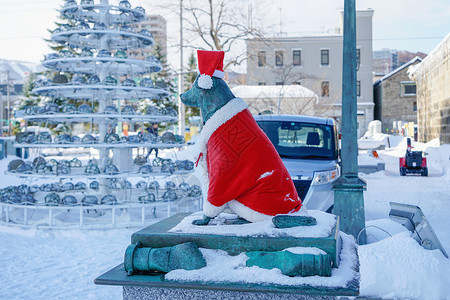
x: 97, y: 89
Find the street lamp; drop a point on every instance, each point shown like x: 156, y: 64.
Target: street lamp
x: 348, y: 189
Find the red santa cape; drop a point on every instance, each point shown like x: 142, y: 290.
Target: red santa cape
x: 241, y: 168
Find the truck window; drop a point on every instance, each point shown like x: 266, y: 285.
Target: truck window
x: 301, y: 140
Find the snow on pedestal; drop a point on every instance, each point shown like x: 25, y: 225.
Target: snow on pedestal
x: 325, y: 224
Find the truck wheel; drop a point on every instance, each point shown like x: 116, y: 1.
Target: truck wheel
x: 424, y: 172
x: 402, y: 171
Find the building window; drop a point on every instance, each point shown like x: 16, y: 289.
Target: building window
x: 324, y: 57
x: 261, y: 58
x: 325, y: 89
x: 297, y: 82
x: 297, y: 58
x: 358, y: 88
x: 279, y: 83
x: 358, y: 58
x: 261, y: 83
x: 278, y: 58
x: 408, y: 88
x: 415, y: 106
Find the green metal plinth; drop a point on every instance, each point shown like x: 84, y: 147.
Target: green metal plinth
x: 158, y: 236
x: 183, y: 256
x: 291, y: 264
x: 155, y: 285
x: 349, y: 206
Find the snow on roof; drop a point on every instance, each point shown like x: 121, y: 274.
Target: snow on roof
x: 436, y: 56
x: 272, y: 91
x: 412, y: 61
x: 18, y: 70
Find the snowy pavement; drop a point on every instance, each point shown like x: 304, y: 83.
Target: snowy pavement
x: 58, y: 264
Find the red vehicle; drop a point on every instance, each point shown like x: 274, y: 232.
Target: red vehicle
x: 413, y: 162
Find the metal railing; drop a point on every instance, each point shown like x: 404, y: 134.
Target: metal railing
x: 92, y: 217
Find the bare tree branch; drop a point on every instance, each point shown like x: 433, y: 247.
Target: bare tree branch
x: 219, y: 25
x: 198, y: 27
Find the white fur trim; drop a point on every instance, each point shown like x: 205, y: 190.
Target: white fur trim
x: 247, y: 213
x: 205, y: 81
x: 218, y: 74
x: 211, y: 210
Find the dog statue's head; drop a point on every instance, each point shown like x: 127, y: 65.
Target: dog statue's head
x: 209, y: 92
x: 208, y: 100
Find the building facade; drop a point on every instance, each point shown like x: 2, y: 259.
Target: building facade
x: 385, y: 61
x: 315, y: 62
x: 432, y: 77
x: 395, y: 97
x: 157, y: 25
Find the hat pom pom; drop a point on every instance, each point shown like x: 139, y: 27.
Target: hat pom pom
x: 205, y: 81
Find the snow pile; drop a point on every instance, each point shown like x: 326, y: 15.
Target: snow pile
x: 397, y: 266
x: 379, y: 229
x: 379, y: 141
x: 221, y: 267
x: 366, y: 158
x: 305, y: 250
x: 53, y: 264
x: 438, y: 157
x: 400, y: 267
x: 375, y: 141
x: 325, y: 223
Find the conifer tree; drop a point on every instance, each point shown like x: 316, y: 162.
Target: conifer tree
x: 164, y: 79
x: 60, y: 25
x: 189, y: 78
x: 191, y: 72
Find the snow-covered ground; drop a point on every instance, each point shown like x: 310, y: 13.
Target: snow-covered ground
x: 59, y: 264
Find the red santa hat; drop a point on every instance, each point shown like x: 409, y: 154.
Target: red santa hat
x: 210, y: 64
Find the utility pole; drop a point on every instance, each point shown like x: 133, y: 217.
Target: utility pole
x: 8, y: 98
x: 348, y: 189
x: 1, y: 114
x: 181, y: 122
x: 281, y: 23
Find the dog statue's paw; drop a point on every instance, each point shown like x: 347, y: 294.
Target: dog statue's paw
x: 287, y: 221
x: 238, y: 221
x: 202, y: 222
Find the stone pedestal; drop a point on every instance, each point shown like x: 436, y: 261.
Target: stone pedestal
x: 146, y: 293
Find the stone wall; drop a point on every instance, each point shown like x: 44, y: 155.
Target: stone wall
x: 433, y: 94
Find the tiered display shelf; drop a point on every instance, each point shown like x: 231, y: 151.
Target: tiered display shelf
x: 98, y: 85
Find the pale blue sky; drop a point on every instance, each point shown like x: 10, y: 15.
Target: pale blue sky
x: 413, y: 25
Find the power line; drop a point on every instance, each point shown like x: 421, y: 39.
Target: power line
x: 410, y: 38
x: 23, y: 10
x: 17, y: 3
x: 317, y: 34
x: 22, y: 37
